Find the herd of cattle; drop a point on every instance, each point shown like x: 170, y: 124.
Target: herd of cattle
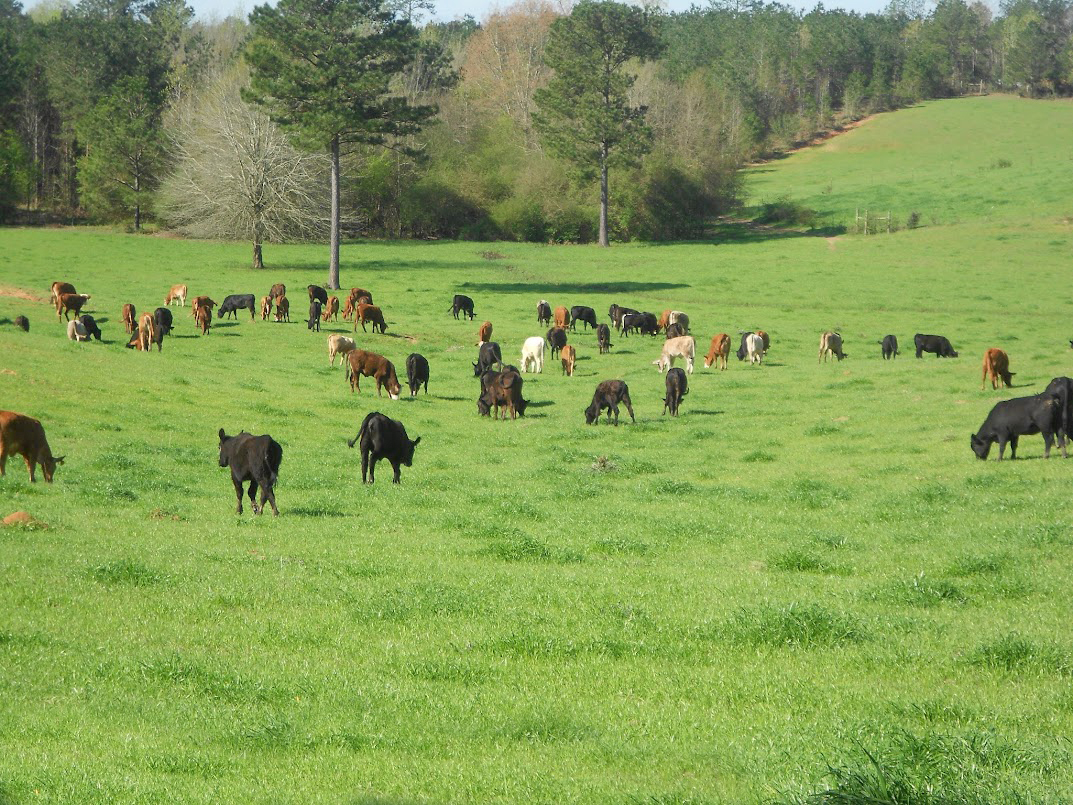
x: 256, y: 459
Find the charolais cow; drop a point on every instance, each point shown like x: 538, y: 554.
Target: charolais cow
x: 582, y: 314
x: 830, y: 344
x: 1021, y: 416
x: 997, y: 365
x: 754, y: 348
x: 255, y: 459
x: 939, y: 344
x: 889, y: 346
x: 339, y: 345
x: 416, y: 372
x: 681, y: 347
x: 235, y: 302
x: 488, y: 355
x: 719, y: 351
x: 677, y: 388
x: 462, y: 304
x: 76, y: 331
x: 609, y: 394
x: 382, y: 437
x: 376, y: 366
x: 556, y: 338
x: 22, y: 435
x: 603, y: 338
x: 533, y: 354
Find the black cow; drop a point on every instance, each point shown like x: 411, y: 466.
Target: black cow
x: 608, y: 395
x: 416, y: 372
x: 582, y: 313
x: 236, y: 302
x: 91, y: 325
x: 162, y: 318
x: 675, y: 330
x: 1021, y: 416
x: 543, y: 312
x: 677, y: 388
x: 603, y: 338
x: 1063, y: 388
x: 616, y: 312
x: 644, y: 323
x: 889, y: 345
x: 556, y: 338
x: 938, y: 344
x: 383, y: 437
x: 255, y: 459
x: 314, y: 314
x: 462, y: 304
x: 22, y: 323
x: 316, y: 293
x: 489, y: 354
x: 742, y: 350
x: 502, y: 391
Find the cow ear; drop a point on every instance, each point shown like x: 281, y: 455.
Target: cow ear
x: 223, y: 436
x: 59, y: 459
x: 417, y: 441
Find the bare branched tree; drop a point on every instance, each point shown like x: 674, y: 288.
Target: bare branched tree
x: 236, y: 176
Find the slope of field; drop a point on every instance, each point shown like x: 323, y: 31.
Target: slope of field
x: 805, y: 581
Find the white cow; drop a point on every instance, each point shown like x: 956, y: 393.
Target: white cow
x: 682, y: 346
x: 754, y: 346
x: 340, y: 345
x: 678, y: 317
x: 533, y: 354
x: 76, y: 331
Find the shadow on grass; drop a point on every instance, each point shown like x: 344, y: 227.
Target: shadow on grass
x: 540, y: 404
x: 309, y: 511
x: 753, y: 232
x: 705, y: 411
x: 572, y: 287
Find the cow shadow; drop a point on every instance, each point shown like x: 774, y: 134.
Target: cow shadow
x: 450, y: 399
x: 703, y: 411
x: 539, y: 403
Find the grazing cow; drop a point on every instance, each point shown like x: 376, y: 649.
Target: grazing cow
x: 235, y: 302
x: 674, y: 330
x: 381, y: 437
x: 484, y: 333
x: 129, y: 320
x: 1062, y: 387
x: 569, y: 358
x: 340, y: 345
x: 372, y: 314
x: 677, y: 388
x: 562, y: 317
x: 163, y: 321
x: 754, y: 347
x: 681, y: 347
x: 317, y: 294
x: 313, y: 322
x: 200, y: 302
x: 664, y: 319
x: 608, y: 395
x: 70, y: 303
x: 23, y: 436
x: 203, y: 319
x: 617, y: 312
x: 279, y: 290
x: 603, y: 338
x: 764, y: 337
x: 332, y: 309
x: 416, y: 372
x: 255, y: 459
x: 503, y: 392
x: 533, y: 354
x: 146, y: 334
x: 283, y: 309
x: 742, y: 349
x: 996, y: 364
x: 1021, y: 416
x: 76, y: 331
x: 58, y: 290
x: 830, y: 344
x: 488, y: 355
x: 938, y: 344
x: 680, y: 318
x: 583, y: 314
x: 718, y: 351
x: 644, y: 323
x: 556, y: 338
x: 462, y: 304
x: 348, y: 309
x: 90, y: 324
x: 543, y: 312
x: 889, y: 345
x: 357, y: 294
x: 370, y: 364
x: 176, y: 294
x: 22, y: 323
x: 266, y: 307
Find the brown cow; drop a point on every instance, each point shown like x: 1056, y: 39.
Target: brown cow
x: 199, y: 302
x: 664, y: 320
x: 204, y: 319
x: 830, y: 344
x: 358, y: 293
x: 485, y: 333
x: 279, y: 290
x: 562, y: 317
x: 370, y: 364
x: 997, y: 364
x: 283, y: 309
x: 332, y: 309
x: 764, y: 337
x: 348, y: 309
x: 24, y: 436
x: 569, y: 357
x: 503, y: 392
x: 177, y: 293
x: 718, y: 351
x: 146, y: 335
x: 70, y: 302
x: 128, y: 318
x: 370, y: 313
x: 58, y: 290
x: 266, y: 307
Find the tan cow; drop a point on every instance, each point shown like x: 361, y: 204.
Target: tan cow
x: 997, y: 365
x: 23, y: 436
x: 340, y: 345
x: 718, y: 351
x: 830, y: 344
x: 682, y: 346
x: 266, y: 307
x: 176, y: 294
x: 146, y: 332
x: 562, y: 317
x: 283, y: 309
x: 129, y: 320
x: 203, y: 318
x: 331, y: 309
x: 569, y: 358
x: 485, y: 333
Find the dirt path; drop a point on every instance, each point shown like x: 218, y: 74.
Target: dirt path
x: 19, y: 293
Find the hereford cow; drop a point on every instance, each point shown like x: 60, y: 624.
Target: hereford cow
x: 556, y: 338
x: 76, y: 331
x: 129, y: 320
x: 562, y: 317
x: 462, y: 304
x: 370, y: 364
x: 70, y: 303
x: 1021, y: 416
x: 488, y: 355
x: 339, y: 345
x: 278, y: 291
x: 608, y: 395
x: 23, y: 436
x: 381, y: 437
x: 830, y: 344
x: 90, y: 325
x: 235, y: 302
x: 313, y: 322
x: 754, y: 347
x: 416, y: 372
x: 266, y: 307
x: 485, y: 333
x: 58, y: 290
x: 533, y: 354
x: 583, y: 314
x: 317, y: 294
x: 176, y: 294
x: 371, y: 314
x: 283, y: 309
x: 677, y: 388
x: 502, y: 391
x: 718, y: 351
x: 332, y: 310
x: 543, y: 312
x: 889, y: 346
x: 997, y: 365
x: 203, y: 319
x: 682, y: 347
x: 569, y: 358
x: 603, y: 338
x: 938, y: 344
x: 22, y: 323
x: 255, y: 459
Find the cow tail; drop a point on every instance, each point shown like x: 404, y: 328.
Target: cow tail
x: 361, y: 430
x: 275, y: 457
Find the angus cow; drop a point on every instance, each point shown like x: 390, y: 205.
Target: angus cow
x: 533, y: 354
x: 1062, y: 387
x: 718, y: 351
x: 58, y: 290
x: 381, y: 437
x: 462, y: 304
x: 503, y: 392
x: 317, y: 294
x: 339, y: 345
x: 23, y: 435
x: 163, y: 324
x: 487, y: 355
x: 90, y: 325
x: 644, y: 323
x: 608, y: 395
x: 70, y: 303
x: 603, y: 338
x: 583, y: 314
x: 889, y: 345
x: 754, y: 348
x: 313, y: 322
x: 203, y: 319
x: 332, y: 309
x: 485, y: 333
x: 1021, y: 416
x: 371, y: 314
x: 235, y: 302
x: 682, y: 347
x: 677, y: 388
x: 266, y: 307
x: 129, y: 320
x: 255, y: 459
x: 283, y: 309
x: 416, y: 372
x: 371, y: 364
x: 543, y: 312
x: 278, y: 291
x: 675, y: 330
x: 22, y: 323
x: 556, y: 338
x: 562, y: 317
x: 617, y: 312
x: 569, y: 358
x: 996, y: 364
x: 76, y: 331
x: 938, y: 344
x: 176, y: 294
x: 830, y: 344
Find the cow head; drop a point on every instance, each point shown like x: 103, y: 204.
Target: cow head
x: 520, y: 406
x: 408, y: 454
x: 484, y: 404
x: 220, y: 313
x: 393, y: 387
x: 592, y: 413
x: 48, y: 466
x: 981, y: 447
x: 224, y: 453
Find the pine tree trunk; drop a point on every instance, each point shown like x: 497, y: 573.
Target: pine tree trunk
x: 333, y: 266
x: 603, y: 195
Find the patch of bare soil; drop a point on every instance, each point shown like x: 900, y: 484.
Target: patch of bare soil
x: 819, y: 139
x: 831, y: 242
x: 19, y: 293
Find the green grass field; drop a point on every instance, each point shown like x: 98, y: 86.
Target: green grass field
x: 806, y: 583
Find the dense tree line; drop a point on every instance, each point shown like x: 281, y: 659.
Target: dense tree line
x: 106, y: 110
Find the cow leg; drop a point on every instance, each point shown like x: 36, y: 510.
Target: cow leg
x: 31, y: 465
x: 364, y: 463
x: 253, y: 496
x: 238, y: 493
x: 1062, y: 443
x: 615, y: 409
x: 267, y: 493
x: 372, y: 469
x: 396, y: 467
x: 3, y: 460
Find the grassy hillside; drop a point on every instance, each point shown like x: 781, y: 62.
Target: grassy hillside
x: 807, y: 568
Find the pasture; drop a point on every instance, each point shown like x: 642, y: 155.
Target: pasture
x: 805, y: 581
